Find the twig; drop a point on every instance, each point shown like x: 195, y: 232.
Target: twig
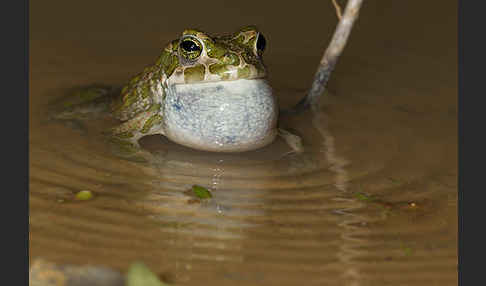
x: 338, y: 9
x: 330, y: 56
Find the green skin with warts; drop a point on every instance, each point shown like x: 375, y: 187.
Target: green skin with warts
x: 139, y: 104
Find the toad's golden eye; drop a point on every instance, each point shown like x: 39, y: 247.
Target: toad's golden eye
x: 190, y: 48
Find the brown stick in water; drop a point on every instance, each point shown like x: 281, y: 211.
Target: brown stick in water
x: 330, y: 56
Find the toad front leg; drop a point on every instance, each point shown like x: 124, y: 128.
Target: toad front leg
x: 125, y: 136
x: 292, y: 140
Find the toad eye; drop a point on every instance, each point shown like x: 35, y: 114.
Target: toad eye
x: 190, y: 48
x: 261, y: 43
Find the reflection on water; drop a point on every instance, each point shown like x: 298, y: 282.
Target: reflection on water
x: 249, y: 194
x: 276, y: 218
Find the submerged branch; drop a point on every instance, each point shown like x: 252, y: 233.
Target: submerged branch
x: 330, y: 56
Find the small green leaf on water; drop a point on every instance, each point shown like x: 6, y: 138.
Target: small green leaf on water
x: 139, y: 275
x: 201, y: 192
x: 393, y: 180
x: 84, y: 195
x: 363, y: 197
x: 407, y: 251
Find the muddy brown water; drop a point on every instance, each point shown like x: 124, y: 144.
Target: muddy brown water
x: 371, y: 201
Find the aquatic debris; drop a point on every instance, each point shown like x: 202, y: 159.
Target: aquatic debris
x: 385, y: 204
x: 201, y: 192
x: 393, y: 180
x: 407, y: 250
x: 412, y: 205
x: 84, y: 195
x: 140, y: 275
x: 47, y: 273
x: 364, y: 197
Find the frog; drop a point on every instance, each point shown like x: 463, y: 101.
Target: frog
x: 204, y: 92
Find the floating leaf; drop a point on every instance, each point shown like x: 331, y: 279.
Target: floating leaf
x: 84, y: 195
x: 407, y: 251
x: 139, y: 275
x: 393, y: 180
x: 363, y: 197
x: 201, y: 192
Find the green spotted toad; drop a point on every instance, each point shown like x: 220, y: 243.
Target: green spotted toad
x: 206, y: 93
